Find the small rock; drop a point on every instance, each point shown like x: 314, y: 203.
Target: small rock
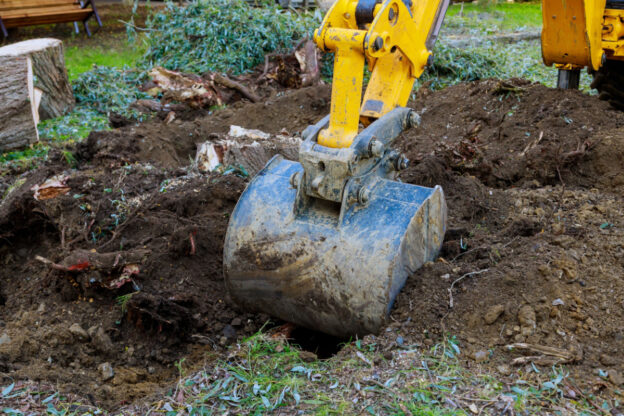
x: 92, y: 330
x: 569, y: 393
x: 493, y: 313
x: 106, y: 371
x: 557, y: 302
x: 479, y: 356
x: 616, y: 378
x: 428, y: 342
x: 504, y: 369
x: 5, y: 339
x: 229, y: 332
x: 388, y: 355
x: 308, y: 356
x: 151, y: 370
x: 101, y: 341
x: 41, y: 308
x: 78, y: 332
x: 526, y: 316
x: 606, y: 359
x: 223, y: 341
x: 236, y: 322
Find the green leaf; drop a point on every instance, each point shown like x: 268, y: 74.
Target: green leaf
x: 49, y: 398
x: 8, y: 389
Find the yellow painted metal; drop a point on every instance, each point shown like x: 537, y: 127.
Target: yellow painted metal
x: 613, y: 34
x: 346, y: 87
x: 402, y: 58
x: 572, y: 32
x: 394, y: 45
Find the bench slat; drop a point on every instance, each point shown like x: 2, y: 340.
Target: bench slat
x: 9, y: 9
x: 34, y: 3
x: 7, y: 14
x: 62, y: 17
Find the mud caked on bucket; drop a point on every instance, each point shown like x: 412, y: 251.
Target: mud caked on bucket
x: 329, y: 255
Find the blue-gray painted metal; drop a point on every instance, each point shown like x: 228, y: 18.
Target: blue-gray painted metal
x: 336, y: 268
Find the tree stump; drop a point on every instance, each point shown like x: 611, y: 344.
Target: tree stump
x: 50, y: 75
x: 18, y: 103
x: 249, y: 149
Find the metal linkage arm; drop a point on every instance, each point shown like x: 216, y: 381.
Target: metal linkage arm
x: 395, y: 38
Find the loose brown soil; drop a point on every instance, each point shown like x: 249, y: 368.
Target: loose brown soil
x: 533, y: 181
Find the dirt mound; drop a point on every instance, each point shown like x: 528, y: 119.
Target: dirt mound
x: 533, y: 252
x: 171, y: 145
x: 507, y: 133
x: 122, y: 265
x: 63, y: 322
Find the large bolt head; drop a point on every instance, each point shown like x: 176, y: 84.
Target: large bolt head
x: 364, y: 195
x: 401, y: 163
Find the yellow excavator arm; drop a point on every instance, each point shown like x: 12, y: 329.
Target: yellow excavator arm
x: 395, y: 38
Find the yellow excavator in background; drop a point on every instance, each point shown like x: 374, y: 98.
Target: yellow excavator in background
x: 329, y: 241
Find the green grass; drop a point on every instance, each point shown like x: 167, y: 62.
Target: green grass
x: 263, y: 375
x: 117, y: 52
x: 496, y: 17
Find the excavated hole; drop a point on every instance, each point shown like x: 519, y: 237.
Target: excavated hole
x: 323, y: 345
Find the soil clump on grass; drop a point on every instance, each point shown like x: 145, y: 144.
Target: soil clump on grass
x: 123, y: 264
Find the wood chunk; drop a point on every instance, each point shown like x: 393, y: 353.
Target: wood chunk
x: 18, y: 103
x: 49, y: 74
x: 250, y: 149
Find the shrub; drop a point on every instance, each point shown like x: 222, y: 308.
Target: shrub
x: 105, y: 89
x: 452, y: 65
x: 222, y: 35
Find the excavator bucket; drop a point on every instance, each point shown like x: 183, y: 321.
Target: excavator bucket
x: 335, y: 267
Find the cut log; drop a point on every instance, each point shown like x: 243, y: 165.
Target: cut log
x: 50, y: 75
x: 18, y: 103
x: 249, y: 149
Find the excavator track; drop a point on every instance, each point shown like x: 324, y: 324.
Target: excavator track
x: 609, y: 81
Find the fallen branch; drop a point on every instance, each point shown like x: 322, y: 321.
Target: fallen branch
x: 505, y: 87
x: 52, y: 265
x: 580, y: 151
x: 543, y: 349
x: 229, y: 83
x: 450, y: 290
x: 547, y: 355
x: 532, y: 144
x: 539, y: 360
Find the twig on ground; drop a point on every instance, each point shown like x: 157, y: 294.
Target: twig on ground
x: 192, y: 238
x: 509, y: 242
x: 450, y: 289
x: 466, y: 252
x: 227, y: 82
x: 63, y: 237
x: 52, y: 265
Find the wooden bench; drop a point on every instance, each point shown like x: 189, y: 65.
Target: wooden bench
x: 16, y: 13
